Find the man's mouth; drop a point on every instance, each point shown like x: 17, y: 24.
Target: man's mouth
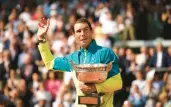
x: 83, y: 39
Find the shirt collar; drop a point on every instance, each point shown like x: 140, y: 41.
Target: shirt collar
x: 91, y: 47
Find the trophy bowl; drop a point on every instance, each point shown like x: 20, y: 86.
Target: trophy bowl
x: 91, y: 73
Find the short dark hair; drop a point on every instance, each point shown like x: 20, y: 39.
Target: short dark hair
x: 82, y: 20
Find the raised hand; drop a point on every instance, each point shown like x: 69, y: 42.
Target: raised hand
x: 43, y: 27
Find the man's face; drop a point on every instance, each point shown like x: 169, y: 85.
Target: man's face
x: 169, y: 50
x: 83, y: 34
x: 159, y: 47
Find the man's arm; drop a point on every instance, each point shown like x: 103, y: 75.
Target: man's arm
x: 114, y: 81
x: 110, y: 85
x: 58, y: 63
x: 50, y: 61
x: 46, y: 55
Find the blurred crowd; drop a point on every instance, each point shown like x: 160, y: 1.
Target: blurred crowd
x: 24, y: 80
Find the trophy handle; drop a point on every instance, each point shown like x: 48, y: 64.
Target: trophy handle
x: 109, y: 66
x: 73, y: 64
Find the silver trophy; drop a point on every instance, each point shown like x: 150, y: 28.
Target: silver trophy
x: 88, y: 74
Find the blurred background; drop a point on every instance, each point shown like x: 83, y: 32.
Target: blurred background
x: 138, y: 31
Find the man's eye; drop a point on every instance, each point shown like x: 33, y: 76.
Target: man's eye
x: 86, y: 30
x: 78, y: 31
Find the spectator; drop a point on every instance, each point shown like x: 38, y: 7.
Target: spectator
x: 129, y: 31
x: 159, y: 59
x: 100, y: 37
x: 168, y: 90
x: 166, y: 19
x: 42, y: 96
x: 24, y: 93
x: 14, y: 49
x: 143, y: 57
x: 19, y: 103
x: 136, y: 97
x: 139, y: 81
x: 141, y: 20
x: 28, y: 68
x: 151, y: 93
x: 169, y: 57
x: 121, y: 95
x: 2, y: 31
x: 33, y: 86
x: 127, y: 104
x: 64, y: 97
x: 25, y: 15
x: 52, y: 84
x: 12, y: 81
x: 5, y: 64
x: 159, y: 104
x: 151, y: 52
x: 2, y: 68
x: 38, y: 13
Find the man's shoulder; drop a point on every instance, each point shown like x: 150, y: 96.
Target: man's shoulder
x: 101, y: 48
x: 107, y: 50
x: 73, y: 54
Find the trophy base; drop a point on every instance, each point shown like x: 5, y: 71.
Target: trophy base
x: 92, y: 101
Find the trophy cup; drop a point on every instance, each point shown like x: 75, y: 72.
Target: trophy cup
x: 88, y: 74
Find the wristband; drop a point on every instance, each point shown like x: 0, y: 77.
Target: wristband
x: 42, y: 41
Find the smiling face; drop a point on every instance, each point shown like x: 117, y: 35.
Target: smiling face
x: 83, y: 34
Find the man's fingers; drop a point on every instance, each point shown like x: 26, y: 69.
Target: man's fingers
x: 44, y: 21
x: 48, y: 22
x: 81, y: 83
x: 41, y: 25
x: 40, y: 20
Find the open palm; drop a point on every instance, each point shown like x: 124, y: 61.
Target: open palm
x: 43, y: 27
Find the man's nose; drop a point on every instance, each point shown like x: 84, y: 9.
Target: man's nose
x: 82, y: 33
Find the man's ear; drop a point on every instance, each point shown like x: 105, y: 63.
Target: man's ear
x: 91, y: 30
x: 92, y: 33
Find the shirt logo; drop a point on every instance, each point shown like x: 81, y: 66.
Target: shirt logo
x: 92, y: 60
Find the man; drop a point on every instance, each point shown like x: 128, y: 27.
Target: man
x: 89, y: 52
x: 169, y: 57
x: 159, y: 59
